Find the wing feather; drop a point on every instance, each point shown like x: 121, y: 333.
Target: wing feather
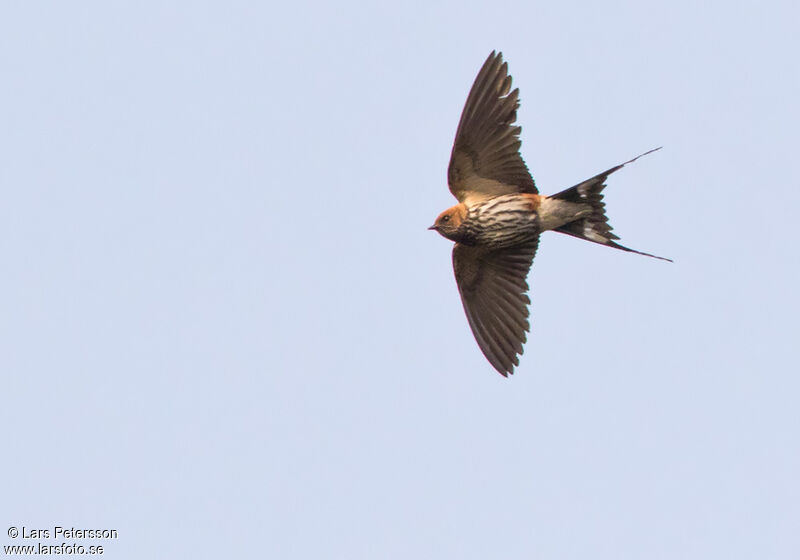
x: 485, y: 161
x: 493, y: 287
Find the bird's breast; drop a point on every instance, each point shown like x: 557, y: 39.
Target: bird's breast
x: 503, y: 221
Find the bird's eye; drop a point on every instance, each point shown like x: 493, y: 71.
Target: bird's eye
x: 445, y: 218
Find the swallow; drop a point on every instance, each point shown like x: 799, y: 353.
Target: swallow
x: 500, y: 215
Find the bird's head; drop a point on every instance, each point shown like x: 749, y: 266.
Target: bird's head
x: 449, y: 222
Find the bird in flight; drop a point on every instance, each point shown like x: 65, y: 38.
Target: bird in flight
x: 500, y: 215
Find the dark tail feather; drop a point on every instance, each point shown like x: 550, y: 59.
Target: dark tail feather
x: 595, y: 227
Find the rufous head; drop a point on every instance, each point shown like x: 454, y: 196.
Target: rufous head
x: 449, y: 221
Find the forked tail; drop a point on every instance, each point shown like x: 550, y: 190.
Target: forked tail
x: 595, y: 226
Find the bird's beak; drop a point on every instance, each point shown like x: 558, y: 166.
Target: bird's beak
x: 433, y: 227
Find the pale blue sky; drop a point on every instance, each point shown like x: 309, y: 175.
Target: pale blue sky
x: 225, y: 330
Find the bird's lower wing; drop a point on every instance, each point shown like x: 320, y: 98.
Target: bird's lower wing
x: 493, y: 287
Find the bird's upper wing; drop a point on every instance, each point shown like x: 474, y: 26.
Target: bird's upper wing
x: 492, y: 284
x: 485, y: 161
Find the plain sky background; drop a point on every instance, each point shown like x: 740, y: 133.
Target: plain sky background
x: 226, y: 332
